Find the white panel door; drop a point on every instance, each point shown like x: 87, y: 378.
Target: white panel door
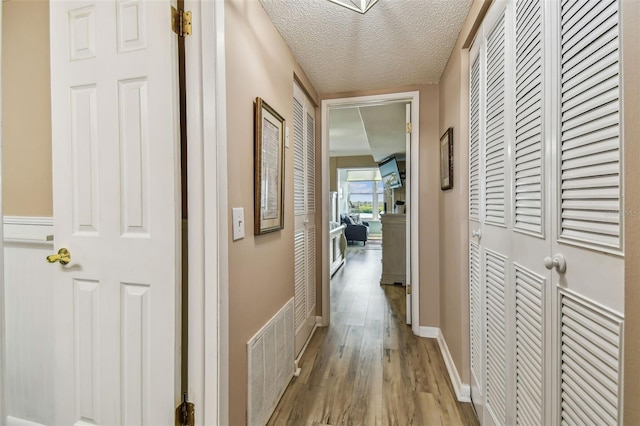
x: 304, y: 208
x: 116, y: 209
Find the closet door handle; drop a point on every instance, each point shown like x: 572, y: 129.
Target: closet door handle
x: 558, y: 262
x: 476, y: 233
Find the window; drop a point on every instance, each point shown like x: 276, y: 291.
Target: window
x: 366, y: 197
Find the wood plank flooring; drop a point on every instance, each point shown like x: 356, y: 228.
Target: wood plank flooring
x: 367, y: 367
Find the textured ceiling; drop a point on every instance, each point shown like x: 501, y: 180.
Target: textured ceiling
x: 396, y: 43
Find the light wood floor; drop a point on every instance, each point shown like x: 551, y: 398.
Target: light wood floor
x: 367, y: 367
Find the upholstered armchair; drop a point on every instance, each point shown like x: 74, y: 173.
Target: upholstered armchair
x: 355, y: 231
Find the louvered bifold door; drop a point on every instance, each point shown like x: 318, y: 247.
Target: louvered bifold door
x: 530, y: 242
x: 476, y: 279
x: 590, y: 211
x: 299, y: 208
x: 304, y: 208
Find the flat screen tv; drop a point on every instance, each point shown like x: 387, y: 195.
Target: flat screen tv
x: 390, y: 173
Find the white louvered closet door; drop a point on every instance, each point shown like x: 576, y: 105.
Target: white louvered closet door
x: 588, y: 216
x: 490, y: 222
x: 476, y: 281
x: 304, y: 208
x: 530, y: 238
x: 557, y: 334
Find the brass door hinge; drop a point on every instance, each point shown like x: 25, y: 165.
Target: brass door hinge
x: 185, y: 413
x: 408, y: 288
x: 409, y: 128
x: 181, y: 22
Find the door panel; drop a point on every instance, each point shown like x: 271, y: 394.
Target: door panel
x: 561, y: 234
x: 496, y: 338
x: 304, y: 208
x: 116, y: 208
x: 530, y: 320
x: 589, y: 211
x: 476, y: 251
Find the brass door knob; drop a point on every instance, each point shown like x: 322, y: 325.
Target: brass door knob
x: 63, y: 257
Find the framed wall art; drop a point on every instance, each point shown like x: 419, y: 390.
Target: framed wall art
x: 268, y: 169
x: 446, y: 160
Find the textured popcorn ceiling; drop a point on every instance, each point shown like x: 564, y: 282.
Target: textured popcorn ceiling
x: 396, y: 43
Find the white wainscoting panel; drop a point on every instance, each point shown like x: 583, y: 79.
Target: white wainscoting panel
x: 29, y: 320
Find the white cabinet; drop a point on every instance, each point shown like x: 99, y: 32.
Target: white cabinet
x: 394, y: 263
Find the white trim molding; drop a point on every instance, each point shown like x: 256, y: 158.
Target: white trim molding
x: 412, y: 97
x: 462, y: 390
x: 208, y: 371
x: 430, y: 332
x: 28, y: 230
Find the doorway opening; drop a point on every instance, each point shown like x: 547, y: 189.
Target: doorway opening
x: 357, y: 137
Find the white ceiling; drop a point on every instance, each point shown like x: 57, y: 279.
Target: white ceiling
x: 371, y: 130
x: 396, y: 43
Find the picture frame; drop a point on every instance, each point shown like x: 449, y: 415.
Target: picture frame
x: 446, y: 160
x: 269, y: 129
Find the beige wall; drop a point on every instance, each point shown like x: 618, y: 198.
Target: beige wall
x: 428, y: 203
x: 453, y: 213
x: 631, y: 110
x: 258, y: 63
x: 26, y: 109
x: 336, y: 163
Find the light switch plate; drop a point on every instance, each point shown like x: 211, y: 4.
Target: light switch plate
x: 238, y: 223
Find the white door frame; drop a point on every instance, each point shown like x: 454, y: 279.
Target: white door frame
x: 208, y: 251
x: 208, y: 317
x: 414, y: 179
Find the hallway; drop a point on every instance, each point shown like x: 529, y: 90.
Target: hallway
x: 368, y: 368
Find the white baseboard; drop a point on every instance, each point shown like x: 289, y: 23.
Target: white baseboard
x: 462, y: 390
x: 297, y: 370
x: 429, y: 332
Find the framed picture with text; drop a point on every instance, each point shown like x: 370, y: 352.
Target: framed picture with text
x: 268, y: 169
